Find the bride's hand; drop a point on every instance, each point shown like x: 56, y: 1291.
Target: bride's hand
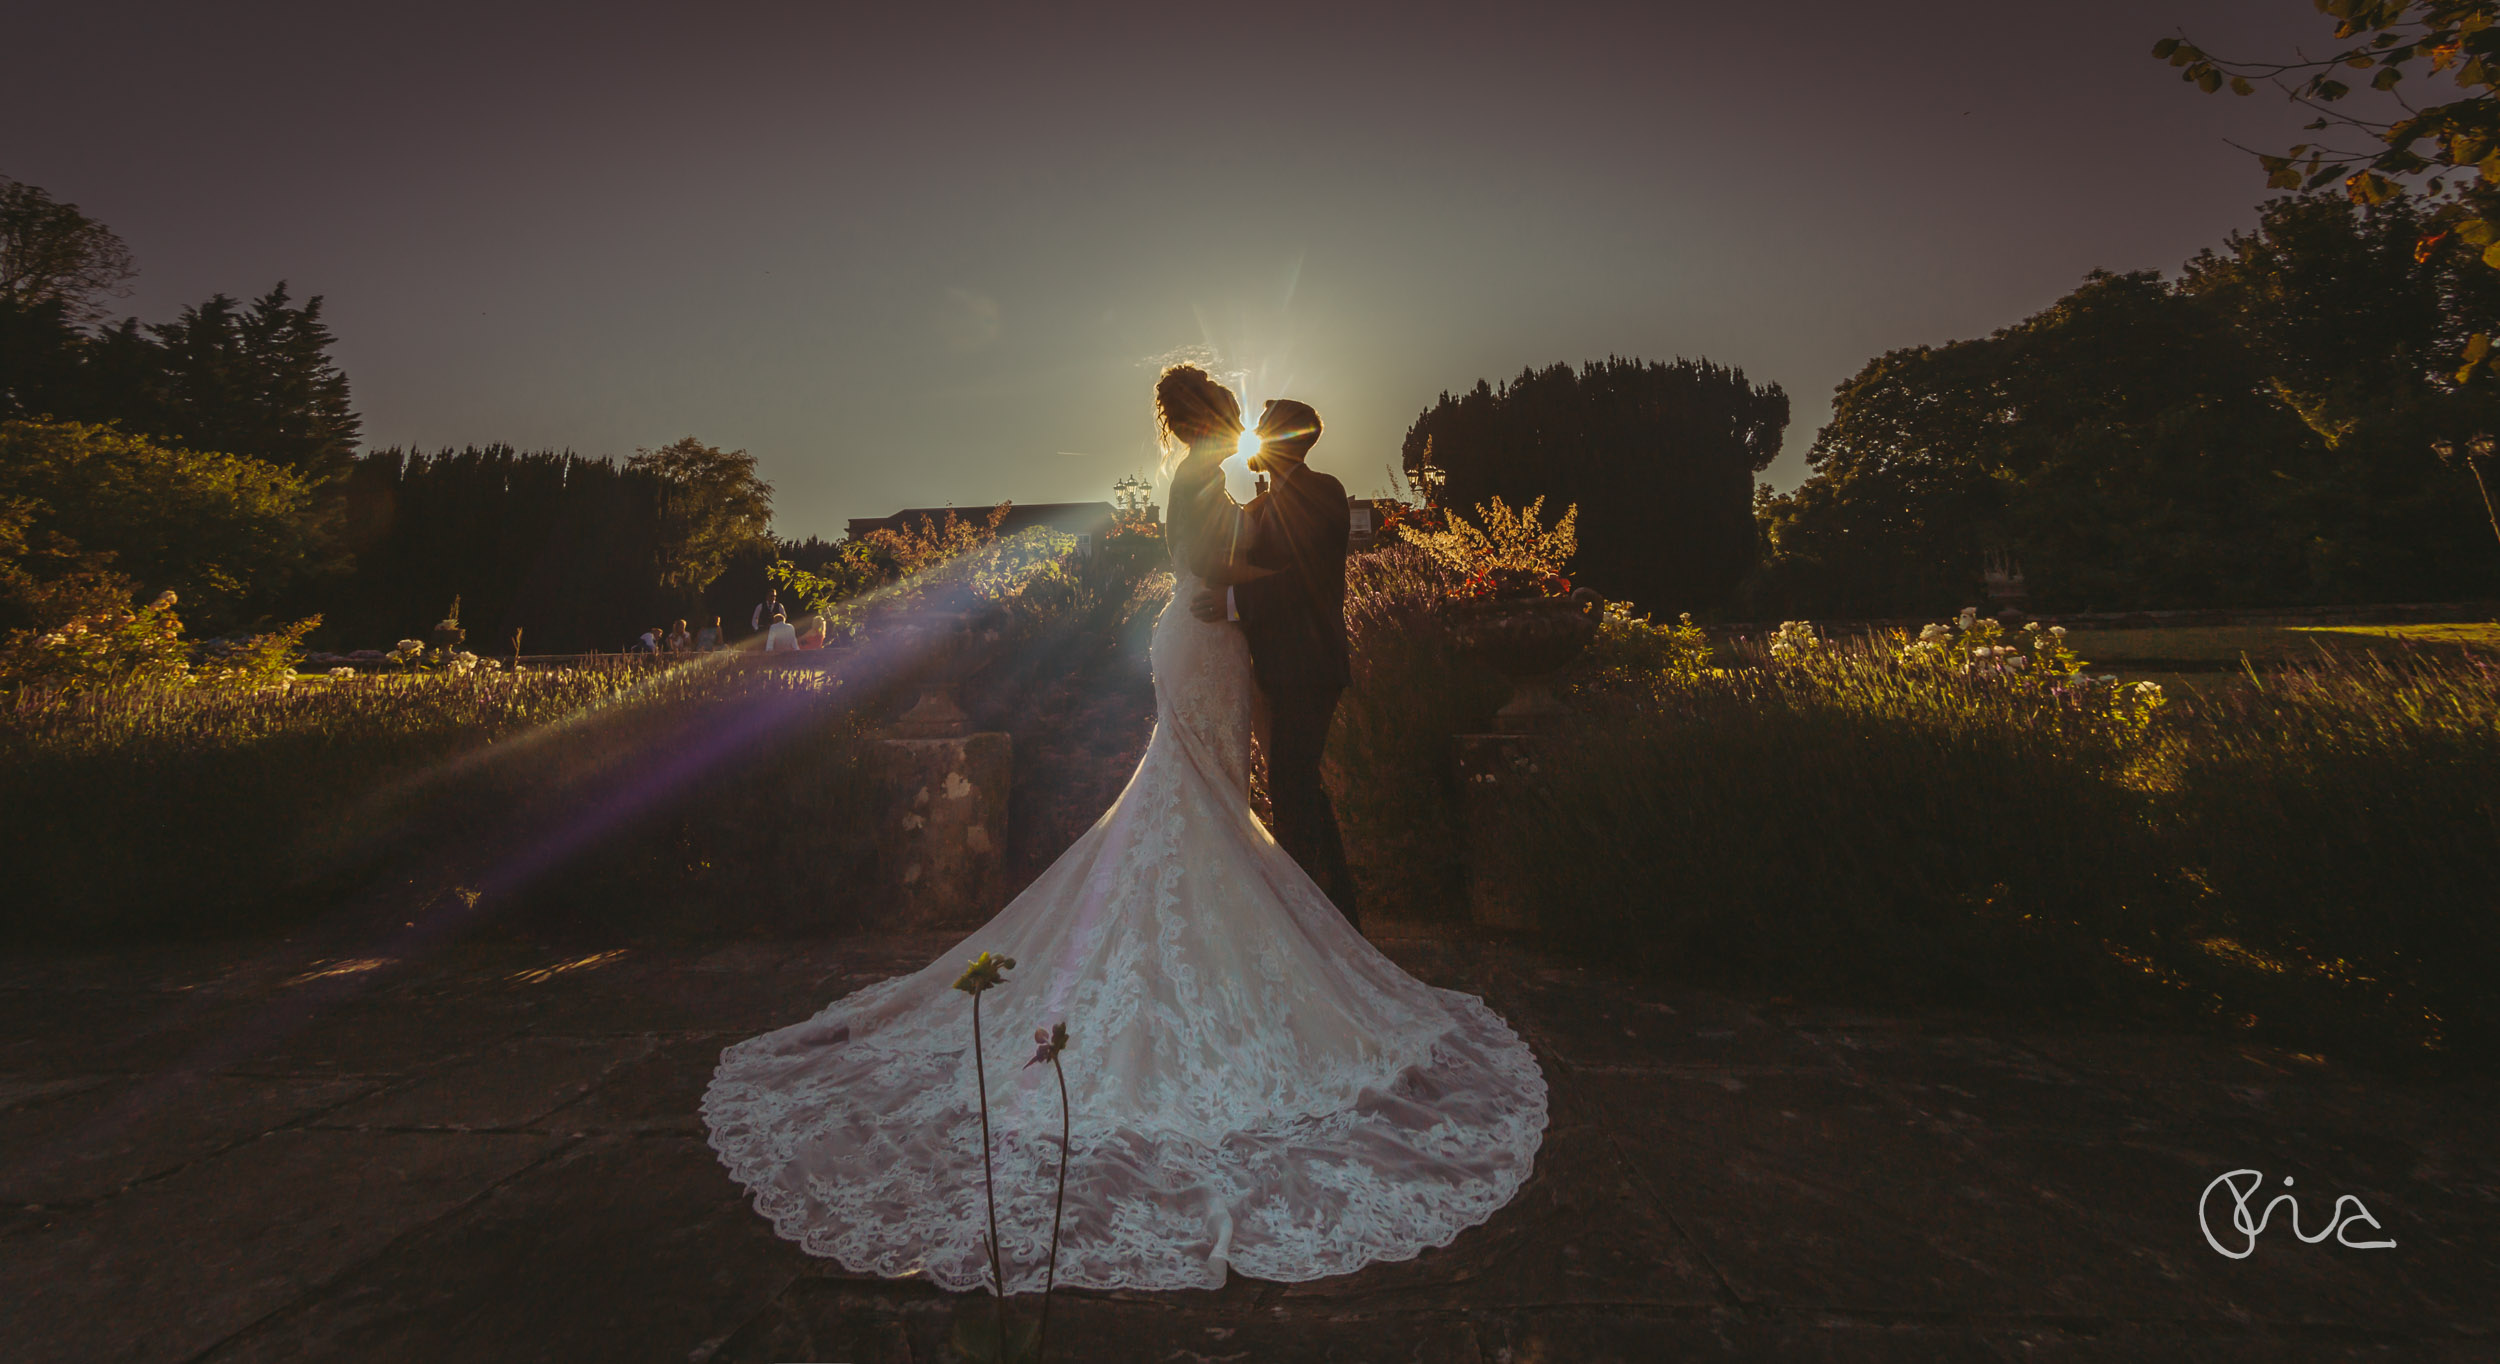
x: 1208, y: 606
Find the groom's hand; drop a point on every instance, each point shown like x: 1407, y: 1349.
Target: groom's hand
x: 1208, y: 606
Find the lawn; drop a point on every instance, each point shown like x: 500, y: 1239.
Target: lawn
x: 2220, y: 648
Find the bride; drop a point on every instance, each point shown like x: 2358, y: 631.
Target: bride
x: 1253, y: 1086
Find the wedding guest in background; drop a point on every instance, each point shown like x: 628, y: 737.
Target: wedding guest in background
x: 649, y: 643
x: 707, y: 639
x: 779, y: 638
x: 678, y: 640
x: 813, y: 637
x: 766, y: 610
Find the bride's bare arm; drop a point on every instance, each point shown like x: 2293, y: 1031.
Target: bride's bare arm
x: 1210, y: 534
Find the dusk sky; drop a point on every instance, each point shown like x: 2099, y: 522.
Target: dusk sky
x: 913, y: 261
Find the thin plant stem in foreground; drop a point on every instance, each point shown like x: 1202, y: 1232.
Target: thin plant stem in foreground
x: 985, y: 971
x: 998, y: 1282
x: 1051, y: 1042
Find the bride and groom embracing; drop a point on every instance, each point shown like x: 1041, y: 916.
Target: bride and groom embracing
x: 1252, y: 1086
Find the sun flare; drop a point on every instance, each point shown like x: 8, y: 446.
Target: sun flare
x: 1249, y: 443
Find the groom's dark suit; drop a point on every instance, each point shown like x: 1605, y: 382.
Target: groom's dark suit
x: 1295, y: 621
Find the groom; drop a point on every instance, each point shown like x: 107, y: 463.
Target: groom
x: 1295, y: 621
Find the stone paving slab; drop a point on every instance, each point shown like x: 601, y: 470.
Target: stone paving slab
x: 603, y: 1252
x: 511, y: 1084
x: 495, y: 1153
x: 167, y: 1270
x: 98, y: 1141
x: 659, y: 1091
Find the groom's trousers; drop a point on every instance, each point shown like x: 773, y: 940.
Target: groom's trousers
x: 1306, y: 824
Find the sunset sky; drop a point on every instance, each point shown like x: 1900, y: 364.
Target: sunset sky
x: 924, y: 260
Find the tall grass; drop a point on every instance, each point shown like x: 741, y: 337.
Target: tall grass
x: 2315, y: 854
x: 150, y: 809
x: 2338, y: 830
x: 713, y: 794
x: 1846, y: 824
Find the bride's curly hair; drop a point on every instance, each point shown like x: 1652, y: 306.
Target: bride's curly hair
x: 1190, y: 406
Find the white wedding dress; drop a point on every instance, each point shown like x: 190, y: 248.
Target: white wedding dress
x: 1254, y: 1087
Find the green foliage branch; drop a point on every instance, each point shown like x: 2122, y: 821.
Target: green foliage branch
x: 2444, y: 150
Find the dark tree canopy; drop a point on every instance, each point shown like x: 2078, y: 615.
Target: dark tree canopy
x: 1659, y: 457
x: 713, y: 507
x: 2256, y: 433
x: 256, y: 380
x: 574, y: 552
x: 52, y: 254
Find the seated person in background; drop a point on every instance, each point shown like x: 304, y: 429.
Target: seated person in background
x: 678, y: 640
x: 649, y: 643
x: 779, y: 638
x: 707, y: 639
x: 813, y: 637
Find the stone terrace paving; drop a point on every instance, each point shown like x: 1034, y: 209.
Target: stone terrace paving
x: 223, y: 1155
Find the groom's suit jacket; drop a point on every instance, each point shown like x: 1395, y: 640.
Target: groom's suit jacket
x: 1295, y: 617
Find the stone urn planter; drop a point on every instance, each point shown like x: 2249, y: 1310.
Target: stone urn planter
x: 933, y: 649
x: 1527, y: 640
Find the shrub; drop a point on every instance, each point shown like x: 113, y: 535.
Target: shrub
x: 2317, y: 854
x: 1388, y: 765
x: 1628, y: 652
x: 223, y: 530
x: 152, y: 808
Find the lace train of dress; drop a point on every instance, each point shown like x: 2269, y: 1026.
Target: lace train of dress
x: 1252, y: 1084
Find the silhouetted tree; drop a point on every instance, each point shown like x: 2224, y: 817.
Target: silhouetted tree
x: 256, y: 381
x: 1660, y: 459
x: 2259, y: 432
x: 711, y: 505
x: 50, y: 253
x: 576, y: 553
x: 253, y: 380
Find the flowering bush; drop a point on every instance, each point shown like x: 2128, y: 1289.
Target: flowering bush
x: 123, y: 643
x: 1796, y: 642
x: 1403, y: 520
x: 942, y: 564
x: 2030, y: 659
x: 1630, y: 650
x: 1513, y: 554
x: 1978, y: 647
x: 117, y: 643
